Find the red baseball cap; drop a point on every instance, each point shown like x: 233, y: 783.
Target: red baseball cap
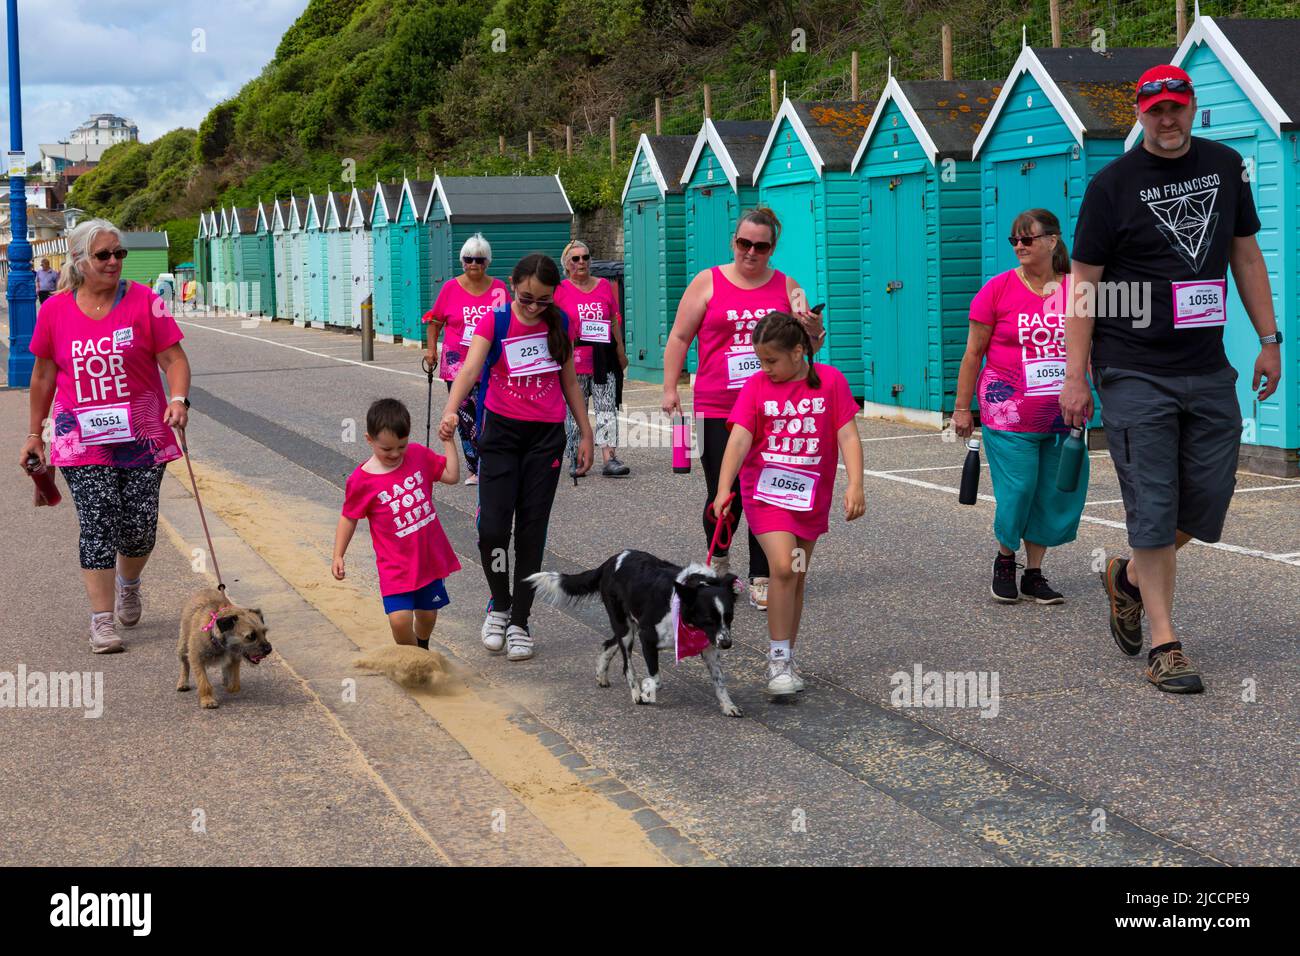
x: 1155, y: 75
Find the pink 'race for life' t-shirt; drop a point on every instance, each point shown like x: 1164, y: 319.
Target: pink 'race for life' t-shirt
x: 726, y: 339
x: 1019, y: 387
x: 525, y: 382
x: 411, y: 548
x: 788, y: 478
x: 593, y: 317
x: 108, y: 400
x: 461, y: 312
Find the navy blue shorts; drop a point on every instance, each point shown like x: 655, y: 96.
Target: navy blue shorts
x: 428, y: 598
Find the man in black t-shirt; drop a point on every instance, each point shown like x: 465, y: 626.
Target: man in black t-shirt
x: 1156, y: 233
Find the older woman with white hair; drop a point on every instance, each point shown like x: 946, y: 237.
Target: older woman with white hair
x: 96, y: 394
x: 596, y: 328
x: 461, y: 302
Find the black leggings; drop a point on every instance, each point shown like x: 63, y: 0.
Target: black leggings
x: 713, y: 443
x: 117, y: 509
x: 465, y: 424
x: 519, y: 469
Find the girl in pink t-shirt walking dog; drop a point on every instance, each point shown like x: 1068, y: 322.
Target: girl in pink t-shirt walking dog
x: 393, y: 491
x: 787, y: 425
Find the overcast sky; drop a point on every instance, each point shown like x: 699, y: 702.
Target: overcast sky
x: 135, y: 58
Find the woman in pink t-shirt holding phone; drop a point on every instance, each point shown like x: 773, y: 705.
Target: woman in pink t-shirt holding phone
x: 1017, y: 331
x: 721, y: 307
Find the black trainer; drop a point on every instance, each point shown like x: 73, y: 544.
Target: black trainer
x: 1033, y: 585
x: 615, y: 468
x: 1004, y: 579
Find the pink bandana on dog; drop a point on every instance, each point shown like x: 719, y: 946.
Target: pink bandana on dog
x: 690, y: 640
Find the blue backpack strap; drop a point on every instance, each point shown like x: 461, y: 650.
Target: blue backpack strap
x: 500, y: 328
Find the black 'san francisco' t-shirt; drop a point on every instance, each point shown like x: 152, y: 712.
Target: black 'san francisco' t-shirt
x: 1151, y: 220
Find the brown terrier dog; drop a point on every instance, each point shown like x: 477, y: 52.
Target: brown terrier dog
x: 213, y: 629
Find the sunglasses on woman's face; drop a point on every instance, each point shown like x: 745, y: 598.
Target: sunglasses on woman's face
x: 104, y: 255
x: 586, y: 258
x: 474, y: 260
x: 1173, y: 86
x: 1026, y: 240
x: 762, y: 248
x: 528, y: 302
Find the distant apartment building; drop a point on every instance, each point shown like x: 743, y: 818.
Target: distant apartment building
x: 105, y: 129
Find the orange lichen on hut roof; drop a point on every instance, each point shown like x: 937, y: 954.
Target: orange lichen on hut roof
x: 847, y: 121
x: 1111, y: 101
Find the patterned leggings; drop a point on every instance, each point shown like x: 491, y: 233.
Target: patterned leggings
x: 468, y: 431
x: 117, y: 509
x: 606, y: 416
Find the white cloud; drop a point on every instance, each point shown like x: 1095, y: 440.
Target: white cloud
x: 136, y: 58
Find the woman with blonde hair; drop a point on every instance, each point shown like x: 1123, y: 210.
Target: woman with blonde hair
x: 99, y: 342
x: 596, y: 328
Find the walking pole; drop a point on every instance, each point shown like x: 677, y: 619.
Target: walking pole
x: 428, y: 412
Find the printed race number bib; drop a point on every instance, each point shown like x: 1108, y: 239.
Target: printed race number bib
x: 786, y: 488
x: 528, y: 355
x: 471, y: 323
x: 1044, y: 376
x: 595, y: 330
x: 105, y: 424
x: 740, y: 366
x: 1200, y: 304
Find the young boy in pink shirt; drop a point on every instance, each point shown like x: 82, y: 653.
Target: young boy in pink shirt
x: 790, y: 423
x: 393, y: 490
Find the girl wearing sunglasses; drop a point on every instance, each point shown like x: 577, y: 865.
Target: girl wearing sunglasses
x: 529, y: 382
x: 721, y: 307
x: 461, y: 303
x: 597, y: 332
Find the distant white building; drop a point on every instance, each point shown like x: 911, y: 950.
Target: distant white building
x: 58, y: 159
x: 105, y: 129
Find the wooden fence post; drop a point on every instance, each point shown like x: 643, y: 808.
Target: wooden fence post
x: 947, y: 52
x: 659, y: 117
x: 1054, y: 11
x: 708, y: 103
x: 530, y: 144
x: 568, y: 141
x: 501, y: 144
x: 613, y: 162
x: 1181, y: 8
x: 771, y: 83
x: 853, y: 76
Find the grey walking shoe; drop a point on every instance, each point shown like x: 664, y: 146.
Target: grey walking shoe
x: 615, y: 469
x: 103, y: 634
x: 127, y: 605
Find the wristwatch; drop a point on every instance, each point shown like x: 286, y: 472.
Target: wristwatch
x: 1274, y: 339
x: 181, y: 398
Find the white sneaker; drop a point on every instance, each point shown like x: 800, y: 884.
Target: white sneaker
x: 103, y: 634
x: 758, y: 593
x: 798, y: 679
x: 721, y: 564
x: 127, y: 604
x: 780, y: 678
x: 494, y: 630
x: 519, y: 643
x: 472, y: 480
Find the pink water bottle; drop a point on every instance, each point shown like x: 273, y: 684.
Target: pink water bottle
x: 681, y: 444
x: 47, y: 492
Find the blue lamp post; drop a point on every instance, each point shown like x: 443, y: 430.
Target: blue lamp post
x: 21, y: 292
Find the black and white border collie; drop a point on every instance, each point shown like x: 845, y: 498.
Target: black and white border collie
x: 637, y: 589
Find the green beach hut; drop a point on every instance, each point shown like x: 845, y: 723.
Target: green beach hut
x: 387, y: 261
x: 654, y: 249
x: 361, y: 259
x: 920, y: 241
x: 148, y: 258
x: 803, y: 175
x: 298, y: 259
x: 282, y: 252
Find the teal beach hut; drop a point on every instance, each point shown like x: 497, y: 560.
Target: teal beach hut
x: 298, y: 259
x: 251, y: 262
x: 281, y: 248
x: 361, y: 260
x: 315, y: 262
x: 718, y: 183
x: 202, y: 264
x: 338, y: 260
x: 518, y: 215
x: 414, y: 295
x: 803, y: 175
x: 1248, y: 97
x: 1061, y: 116
x: 387, y: 261
x: 223, y: 279
x: 654, y: 249
x: 265, y: 262
x: 920, y: 240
